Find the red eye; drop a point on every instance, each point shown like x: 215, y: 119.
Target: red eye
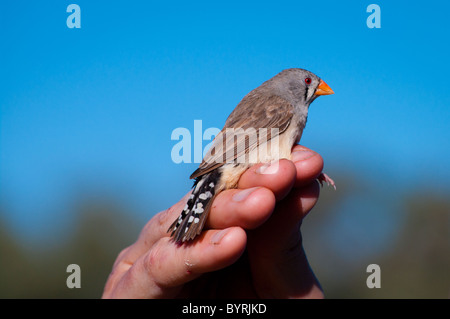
x: 308, y: 80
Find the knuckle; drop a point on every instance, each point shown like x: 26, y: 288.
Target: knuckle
x: 161, y: 218
x: 121, y: 256
x: 123, y: 252
x: 154, y: 261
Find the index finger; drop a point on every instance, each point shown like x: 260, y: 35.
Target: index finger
x: 154, y: 230
x: 308, y: 163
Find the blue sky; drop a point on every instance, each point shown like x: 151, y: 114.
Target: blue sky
x: 91, y: 110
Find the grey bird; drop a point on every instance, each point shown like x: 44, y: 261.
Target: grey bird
x: 263, y: 128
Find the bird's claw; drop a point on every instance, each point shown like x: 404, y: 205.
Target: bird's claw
x: 325, y: 178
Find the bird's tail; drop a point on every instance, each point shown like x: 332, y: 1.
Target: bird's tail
x: 192, y: 219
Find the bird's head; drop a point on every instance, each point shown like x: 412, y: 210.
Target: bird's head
x: 299, y: 86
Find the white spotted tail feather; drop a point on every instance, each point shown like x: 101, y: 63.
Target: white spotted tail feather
x: 192, y: 219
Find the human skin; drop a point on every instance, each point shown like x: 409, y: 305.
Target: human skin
x: 251, y: 246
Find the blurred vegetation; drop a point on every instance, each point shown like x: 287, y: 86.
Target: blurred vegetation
x: 414, y: 265
x: 36, y: 271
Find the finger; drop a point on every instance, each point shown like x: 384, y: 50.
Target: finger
x: 282, y: 230
x: 279, y: 177
x: 279, y: 183
x: 247, y: 208
x: 154, y: 230
x: 308, y: 164
x: 162, y: 272
x: 276, y: 248
x: 294, y: 208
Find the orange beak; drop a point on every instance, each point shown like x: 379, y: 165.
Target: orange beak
x: 323, y: 89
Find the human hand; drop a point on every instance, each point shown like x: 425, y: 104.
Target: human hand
x: 251, y: 246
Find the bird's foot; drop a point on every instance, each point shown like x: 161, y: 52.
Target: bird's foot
x: 325, y: 178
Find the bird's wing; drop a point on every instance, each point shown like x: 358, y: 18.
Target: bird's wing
x: 253, y: 113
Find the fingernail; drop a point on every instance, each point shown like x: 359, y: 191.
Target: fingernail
x: 262, y: 168
x: 217, y: 237
x: 302, y: 155
x: 271, y: 168
x: 242, y: 195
